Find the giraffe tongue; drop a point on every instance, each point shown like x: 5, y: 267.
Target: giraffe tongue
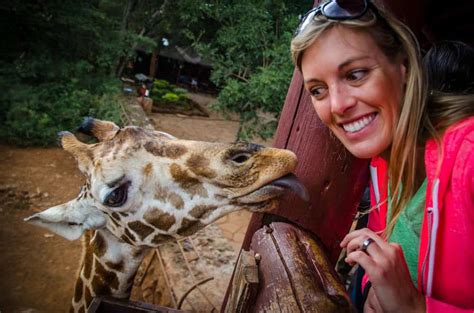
x: 291, y: 181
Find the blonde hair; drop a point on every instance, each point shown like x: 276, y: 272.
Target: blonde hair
x: 397, y: 42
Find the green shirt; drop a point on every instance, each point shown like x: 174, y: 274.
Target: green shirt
x: 408, y: 227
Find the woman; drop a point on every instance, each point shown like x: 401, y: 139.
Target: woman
x: 363, y: 71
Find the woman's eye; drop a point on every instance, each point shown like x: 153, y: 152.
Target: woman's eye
x: 118, y: 196
x: 318, y: 91
x: 356, y: 75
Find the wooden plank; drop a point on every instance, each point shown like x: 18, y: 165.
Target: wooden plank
x: 294, y: 273
x: 245, y: 283
x: 274, y: 290
x: 112, y: 305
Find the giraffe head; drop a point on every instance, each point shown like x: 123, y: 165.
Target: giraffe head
x: 146, y: 187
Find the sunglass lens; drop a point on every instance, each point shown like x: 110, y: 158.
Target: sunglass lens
x: 343, y: 9
x: 307, y: 19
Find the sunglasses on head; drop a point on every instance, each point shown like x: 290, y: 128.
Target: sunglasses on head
x: 336, y: 10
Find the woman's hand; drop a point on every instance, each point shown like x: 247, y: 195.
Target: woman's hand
x: 387, y: 270
x: 372, y: 304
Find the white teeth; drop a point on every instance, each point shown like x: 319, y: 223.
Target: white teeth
x: 359, y: 124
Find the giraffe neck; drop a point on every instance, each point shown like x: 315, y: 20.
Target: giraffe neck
x: 108, y: 268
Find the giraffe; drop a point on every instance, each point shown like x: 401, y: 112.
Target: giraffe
x: 145, y: 187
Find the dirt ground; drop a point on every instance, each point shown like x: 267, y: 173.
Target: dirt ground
x: 37, y: 268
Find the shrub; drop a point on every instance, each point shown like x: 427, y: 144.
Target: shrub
x: 35, y: 115
x: 160, y: 84
x: 170, y: 97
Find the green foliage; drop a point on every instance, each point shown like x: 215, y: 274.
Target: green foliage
x: 248, y: 44
x: 36, y: 115
x: 60, y: 65
x: 160, y: 84
x: 165, y: 92
x: 170, y: 97
x: 179, y: 91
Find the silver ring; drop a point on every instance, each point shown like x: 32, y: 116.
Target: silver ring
x: 366, y: 244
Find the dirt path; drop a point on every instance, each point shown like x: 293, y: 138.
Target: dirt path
x: 37, y: 268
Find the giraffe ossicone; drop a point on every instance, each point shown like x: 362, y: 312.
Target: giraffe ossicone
x: 145, y: 187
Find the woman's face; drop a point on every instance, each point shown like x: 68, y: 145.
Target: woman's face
x: 355, y: 89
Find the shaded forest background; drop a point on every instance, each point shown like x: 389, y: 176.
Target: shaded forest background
x: 61, y: 60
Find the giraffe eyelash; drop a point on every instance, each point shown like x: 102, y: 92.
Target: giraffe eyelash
x: 118, y: 196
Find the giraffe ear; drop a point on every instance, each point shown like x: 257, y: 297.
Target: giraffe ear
x: 166, y: 135
x: 69, y: 220
x: 102, y: 130
x: 81, y: 151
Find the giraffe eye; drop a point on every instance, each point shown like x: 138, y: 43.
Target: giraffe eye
x: 240, y: 158
x: 118, y: 196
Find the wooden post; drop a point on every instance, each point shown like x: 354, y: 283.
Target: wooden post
x: 153, y: 59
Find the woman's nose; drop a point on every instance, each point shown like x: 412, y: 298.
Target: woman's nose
x: 341, y: 99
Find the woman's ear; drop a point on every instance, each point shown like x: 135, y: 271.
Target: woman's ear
x: 403, y: 71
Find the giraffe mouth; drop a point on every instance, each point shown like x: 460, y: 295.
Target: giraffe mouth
x: 275, y: 189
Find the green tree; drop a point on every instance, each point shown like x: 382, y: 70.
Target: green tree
x: 248, y: 43
x: 59, y: 65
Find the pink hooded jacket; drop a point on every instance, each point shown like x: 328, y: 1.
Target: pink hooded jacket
x: 446, y: 258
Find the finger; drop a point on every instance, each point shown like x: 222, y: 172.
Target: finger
x: 375, y: 303
x: 363, y: 232
x: 363, y: 259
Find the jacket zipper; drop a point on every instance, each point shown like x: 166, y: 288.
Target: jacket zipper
x: 425, y: 259
x: 434, y: 231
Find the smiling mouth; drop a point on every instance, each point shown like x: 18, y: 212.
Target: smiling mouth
x: 359, y: 124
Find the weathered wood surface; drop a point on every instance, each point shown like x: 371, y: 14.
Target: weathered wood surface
x: 112, y: 305
x: 294, y: 273
x: 245, y: 283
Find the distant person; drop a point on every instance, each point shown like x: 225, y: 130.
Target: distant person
x: 194, y: 84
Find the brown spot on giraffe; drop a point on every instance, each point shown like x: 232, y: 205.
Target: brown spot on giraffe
x: 161, y: 238
x: 161, y: 194
x: 182, y: 177
x: 124, y: 214
x: 189, y: 227
x: 81, y: 310
x: 147, y: 170
x: 108, y: 277
x: 164, y: 195
x: 119, y: 267
x: 199, y: 165
x: 99, y: 245
x: 78, y: 290
x: 141, y: 229
x: 87, y: 296
x: 190, y: 184
x: 202, y: 211
x: 116, y: 216
x: 171, y: 151
x: 159, y: 219
x: 176, y: 200
x: 129, y: 236
x: 99, y: 287
x: 126, y: 239
x: 87, y: 265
